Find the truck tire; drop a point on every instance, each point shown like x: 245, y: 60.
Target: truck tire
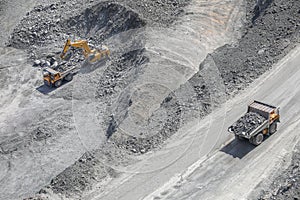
x: 257, y: 140
x: 69, y: 77
x: 58, y: 83
x: 273, y: 128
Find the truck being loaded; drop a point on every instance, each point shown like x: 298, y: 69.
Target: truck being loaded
x: 55, y: 78
x: 261, y: 119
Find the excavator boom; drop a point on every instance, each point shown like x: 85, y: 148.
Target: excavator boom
x: 87, y: 51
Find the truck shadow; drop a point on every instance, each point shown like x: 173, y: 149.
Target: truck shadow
x: 45, y: 90
x: 238, y: 148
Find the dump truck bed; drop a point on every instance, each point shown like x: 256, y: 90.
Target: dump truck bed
x: 68, y: 70
x: 247, y: 124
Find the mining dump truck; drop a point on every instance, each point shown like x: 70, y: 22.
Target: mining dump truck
x: 55, y: 78
x: 260, y: 120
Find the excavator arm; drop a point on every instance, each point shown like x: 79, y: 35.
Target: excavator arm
x: 83, y: 44
x: 66, y: 48
x: 92, y: 55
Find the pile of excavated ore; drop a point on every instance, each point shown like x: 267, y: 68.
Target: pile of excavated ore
x: 247, y: 123
x: 287, y: 184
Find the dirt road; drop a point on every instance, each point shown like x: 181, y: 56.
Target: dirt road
x: 193, y: 176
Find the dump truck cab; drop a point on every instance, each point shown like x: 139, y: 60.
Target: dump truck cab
x: 51, y: 76
x: 267, y: 111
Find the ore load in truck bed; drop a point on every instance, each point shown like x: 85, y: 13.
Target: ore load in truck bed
x: 247, y: 123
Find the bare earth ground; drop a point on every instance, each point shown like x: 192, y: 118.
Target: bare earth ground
x: 110, y: 125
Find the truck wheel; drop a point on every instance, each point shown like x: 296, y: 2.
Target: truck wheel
x: 69, y: 77
x: 273, y: 128
x: 58, y: 83
x: 257, y: 140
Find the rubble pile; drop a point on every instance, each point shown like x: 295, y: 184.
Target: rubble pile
x: 247, y: 123
x: 118, y: 75
x: 270, y: 31
x: 287, y: 185
x: 47, y: 27
x: 53, y: 23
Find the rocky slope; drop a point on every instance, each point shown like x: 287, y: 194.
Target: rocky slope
x: 286, y: 185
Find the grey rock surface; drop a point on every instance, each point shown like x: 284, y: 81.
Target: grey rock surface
x: 247, y: 123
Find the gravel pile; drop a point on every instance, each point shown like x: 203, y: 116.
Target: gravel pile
x: 159, y: 12
x: 247, y: 123
x: 119, y: 74
x: 91, y: 168
x: 271, y: 31
x: 39, y: 132
x: 43, y: 31
x: 145, y: 142
x: 46, y: 27
x: 287, y: 185
x: 85, y: 172
x: 48, y: 24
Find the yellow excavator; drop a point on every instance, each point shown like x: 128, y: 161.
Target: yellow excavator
x: 92, y: 55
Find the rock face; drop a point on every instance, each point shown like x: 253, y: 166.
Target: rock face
x: 247, y: 123
x: 47, y: 24
x: 271, y: 32
x: 287, y: 185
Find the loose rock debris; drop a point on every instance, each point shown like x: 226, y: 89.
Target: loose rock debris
x: 286, y: 185
x: 247, y: 123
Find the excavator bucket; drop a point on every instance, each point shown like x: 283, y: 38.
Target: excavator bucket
x: 65, y: 50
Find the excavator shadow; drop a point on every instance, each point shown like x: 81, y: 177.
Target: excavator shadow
x: 238, y: 148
